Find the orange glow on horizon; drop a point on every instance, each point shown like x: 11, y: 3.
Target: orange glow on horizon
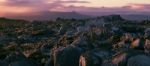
x: 136, y: 7
x: 5, y: 10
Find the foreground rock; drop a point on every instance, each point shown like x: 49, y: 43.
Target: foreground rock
x: 18, y: 59
x: 139, y: 60
x: 68, y: 56
x: 23, y: 63
x: 121, y: 58
x: 94, y: 58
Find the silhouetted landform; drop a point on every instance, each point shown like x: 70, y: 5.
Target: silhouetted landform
x: 100, y: 41
x: 46, y: 15
x: 135, y: 15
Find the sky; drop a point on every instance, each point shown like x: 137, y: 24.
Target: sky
x: 28, y: 6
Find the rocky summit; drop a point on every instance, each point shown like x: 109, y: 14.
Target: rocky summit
x: 97, y: 41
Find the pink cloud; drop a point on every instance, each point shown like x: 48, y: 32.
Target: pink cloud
x: 60, y: 5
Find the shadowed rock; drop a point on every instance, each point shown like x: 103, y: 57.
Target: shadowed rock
x: 121, y: 58
x: 38, y: 57
x: 18, y: 59
x: 147, y: 46
x: 139, y: 60
x: 138, y: 44
x: 45, y: 49
x: 23, y: 63
x: 16, y: 56
x: 0, y: 62
x: 68, y: 56
x: 94, y: 58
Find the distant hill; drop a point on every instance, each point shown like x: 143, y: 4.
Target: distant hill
x: 136, y: 17
x: 49, y: 15
x: 125, y: 14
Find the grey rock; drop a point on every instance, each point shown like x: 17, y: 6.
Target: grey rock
x: 94, y: 58
x: 68, y: 56
x: 139, y: 60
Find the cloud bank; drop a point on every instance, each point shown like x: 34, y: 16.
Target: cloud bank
x: 26, y: 6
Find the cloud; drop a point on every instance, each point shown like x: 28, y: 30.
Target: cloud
x: 74, y: 1
x: 22, y: 2
x: 32, y: 5
x: 39, y: 5
x: 22, y: 6
x: 142, y: 6
x: 127, y: 8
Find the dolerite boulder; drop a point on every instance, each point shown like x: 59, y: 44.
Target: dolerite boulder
x: 139, y: 60
x: 45, y: 49
x: 15, y: 56
x: 82, y: 43
x: 121, y: 58
x: 50, y: 62
x: 23, y: 63
x: 1, y: 62
x: 95, y: 57
x: 68, y: 56
x: 138, y: 44
x: 18, y: 59
x: 39, y: 57
x: 147, y: 46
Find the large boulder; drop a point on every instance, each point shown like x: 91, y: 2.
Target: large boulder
x: 50, y: 62
x: 147, y: 46
x: 95, y: 57
x: 0, y: 62
x: 18, y: 59
x: 138, y: 44
x: 45, y: 49
x: 39, y: 57
x: 121, y: 58
x: 68, y: 56
x: 15, y: 56
x: 23, y: 63
x: 139, y: 60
